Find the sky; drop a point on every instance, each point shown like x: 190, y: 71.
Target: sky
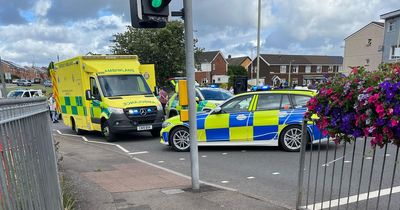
x: 35, y: 32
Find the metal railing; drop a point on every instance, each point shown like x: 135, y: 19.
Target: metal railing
x: 347, y: 175
x: 28, y: 165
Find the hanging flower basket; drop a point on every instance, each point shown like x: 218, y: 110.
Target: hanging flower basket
x: 365, y: 103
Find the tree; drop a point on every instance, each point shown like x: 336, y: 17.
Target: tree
x: 235, y: 71
x: 163, y: 47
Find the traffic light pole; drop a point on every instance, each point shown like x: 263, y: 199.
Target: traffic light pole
x: 194, y: 153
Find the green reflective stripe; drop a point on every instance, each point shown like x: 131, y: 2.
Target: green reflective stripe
x: 73, y: 105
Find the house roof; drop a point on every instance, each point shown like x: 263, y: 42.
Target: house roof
x: 206, y: 57
x: 380, y: 24
x: 237, y: 61
x: 276, y: 59
x: 391, y: 14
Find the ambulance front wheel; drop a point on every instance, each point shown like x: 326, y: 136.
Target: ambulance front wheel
x: 74, y: 128
x: 105, y: 130
x: 180, y: 139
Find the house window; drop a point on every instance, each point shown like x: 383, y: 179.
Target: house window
x: 391, y: 26
x: 213, y: 66
x: 369, y: 42
x: 295, y: 81
x: 330, y: 69
x: 335, y: 68
x: 295, y: 69
x: 367, y: 61
x: 319, y: 69
x: 219, y: 79
x: 283, y: 69
x: 308, y: 69
x: 395, y: 52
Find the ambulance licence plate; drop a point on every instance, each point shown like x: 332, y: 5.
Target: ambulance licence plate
x: 144, y: 127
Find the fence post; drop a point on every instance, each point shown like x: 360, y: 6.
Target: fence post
x: 304, y: 135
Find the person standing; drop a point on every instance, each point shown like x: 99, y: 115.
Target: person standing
x: 163, y: 97
x: 53, y: 108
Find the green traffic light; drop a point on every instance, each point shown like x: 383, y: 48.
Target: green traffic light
x: 156, y: 3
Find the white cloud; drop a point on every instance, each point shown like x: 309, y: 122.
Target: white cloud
x: 41, y: 7
x: 40, y: 42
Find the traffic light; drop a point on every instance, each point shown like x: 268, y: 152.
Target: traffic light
x: 149, y: 13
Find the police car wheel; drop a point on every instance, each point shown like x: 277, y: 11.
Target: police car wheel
x: 105, y: 130
x: 290, y: 139
x: 180, y: 139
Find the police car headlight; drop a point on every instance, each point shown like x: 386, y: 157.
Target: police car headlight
x: 165, y: 124
x: 115, y: 110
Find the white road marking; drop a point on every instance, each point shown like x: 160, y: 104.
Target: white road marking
x: 387, y: 155
x: 250, y: 177
x: 160, y: 161
x: 347, y: 161
x: 204, y: 156
x: 327, y: 164
x: 224, y: 153
x: 353, y: 198
x: 85, y: 139
x: 138, y: 153
x: 276, y: 173
x: 368, y: 158
x: 181, y: 158
x: 59, y: 132
x: 224, y: 182
x: 243, y: 151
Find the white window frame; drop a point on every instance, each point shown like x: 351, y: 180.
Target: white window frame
x: 330, y: 69
x: 319, y: 69
x: 308, y: 69
x: 392, y: 50
x: 391, y: 26
x: 295, y: 69
x: 213, y: 66
x: 283, y: 69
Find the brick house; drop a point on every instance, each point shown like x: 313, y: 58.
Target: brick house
x: 23, y: 72
x: 244, y: 61
x: 306, y: 69
x: 211, y: 67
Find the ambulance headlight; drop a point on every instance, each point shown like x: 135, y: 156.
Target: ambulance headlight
x: 115, y: 110
x: 159, y: 107
x: 165, y: 124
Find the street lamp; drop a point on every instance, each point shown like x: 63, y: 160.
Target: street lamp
x: 258, y: 41
x: 290, y: 71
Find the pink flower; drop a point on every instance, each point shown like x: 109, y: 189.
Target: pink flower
x: 354, y: 70
x: 380, y: 109
x: 373, y: 98
x: 394, y: 123
x: 370, y: 89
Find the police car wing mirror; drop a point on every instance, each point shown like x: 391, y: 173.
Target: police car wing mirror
x: 217, y: 110
x: 88, y: 95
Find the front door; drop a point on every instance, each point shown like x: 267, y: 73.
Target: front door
x: 231, y: 123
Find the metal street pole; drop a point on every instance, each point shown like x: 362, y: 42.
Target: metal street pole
x: 194, y: 153
x: 290, y: 71
x: 251, y: 67
x: 2, y: 80
x: 258, y: 41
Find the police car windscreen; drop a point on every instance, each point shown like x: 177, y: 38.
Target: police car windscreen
x: 123, y: 85
x: 216, y: 94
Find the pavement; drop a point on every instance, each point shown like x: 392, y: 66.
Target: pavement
x: 105, y: 178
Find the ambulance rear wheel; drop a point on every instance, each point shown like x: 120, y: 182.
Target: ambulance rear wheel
x: 74, y: 128
x: 105, y: 130
x: 180, y: 139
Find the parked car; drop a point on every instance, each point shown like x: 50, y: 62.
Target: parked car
x: 25, y: 93
x: 24, y: 82
x: 266, y: 118
x: 37, y: 80
x: 48, y: 83
x: 15, y: 81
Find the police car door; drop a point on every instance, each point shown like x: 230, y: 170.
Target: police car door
x: 231, y: 123
x: 266, y: 117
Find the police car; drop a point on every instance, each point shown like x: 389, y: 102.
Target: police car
x: 207, y: 99
x: 266, y: 118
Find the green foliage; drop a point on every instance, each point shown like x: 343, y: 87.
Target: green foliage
x: 163, y: 47
x: 235, y: 71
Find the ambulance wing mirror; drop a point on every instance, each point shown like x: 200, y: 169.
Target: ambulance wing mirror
x: 197, y: 99
x: 88, y: 95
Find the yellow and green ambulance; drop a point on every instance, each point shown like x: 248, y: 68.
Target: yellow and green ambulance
x: 108, y: 93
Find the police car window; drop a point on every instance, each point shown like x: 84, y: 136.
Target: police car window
x: 239, y: 104
x: 300, y: 101
x: 26, y: 94
x: 286, y: 102
x: 268, y: 102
